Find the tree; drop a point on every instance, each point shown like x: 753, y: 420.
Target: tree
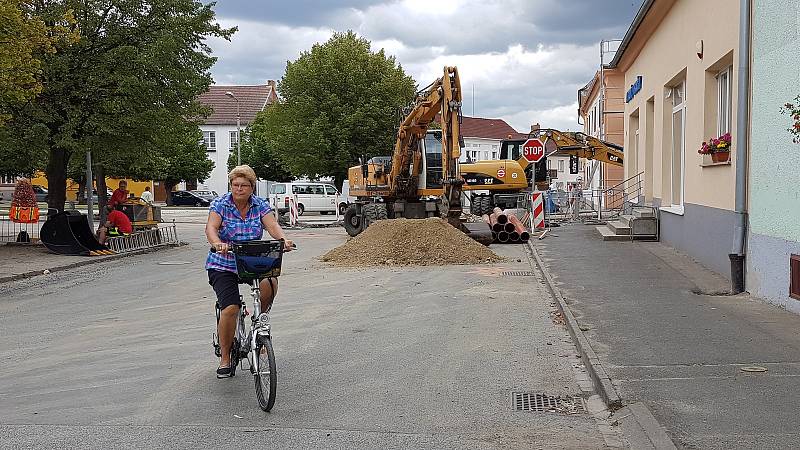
x: 137, y: 64
x: 184, y: 157
x: 257, y: 154
x: 23, y: 38
x: 339, y: 102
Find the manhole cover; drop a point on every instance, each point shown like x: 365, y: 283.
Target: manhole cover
x: 518, y: 274
x: 173, y: 263
x: 755, y: 369
x: 538, y: 402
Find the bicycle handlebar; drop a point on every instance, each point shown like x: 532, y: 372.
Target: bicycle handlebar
x: 230, y: 248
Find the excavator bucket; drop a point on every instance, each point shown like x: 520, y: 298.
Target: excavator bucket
x: 68, y: 233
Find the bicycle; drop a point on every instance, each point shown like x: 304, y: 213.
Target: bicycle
x: 255, y: 260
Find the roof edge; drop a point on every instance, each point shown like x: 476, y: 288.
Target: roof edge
x: 637, y: 21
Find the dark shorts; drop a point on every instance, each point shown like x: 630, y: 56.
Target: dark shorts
x: 226, y: 286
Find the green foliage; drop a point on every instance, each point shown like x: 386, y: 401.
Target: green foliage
x: 257, y: 154
x: 339, y: 102
x: 23, y: 39
x: 137, y: 66
x: 183, y: 156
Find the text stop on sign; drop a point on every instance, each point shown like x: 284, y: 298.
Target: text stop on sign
x: 533, y: 150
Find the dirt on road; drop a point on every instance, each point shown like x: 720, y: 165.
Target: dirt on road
x: 410, y: 242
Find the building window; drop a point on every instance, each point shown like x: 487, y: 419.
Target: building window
x: 560, y: 165
x: 678, y: 95
x: 485, y: 155
x: 234, y: 135
x: 494, y: 155
x: 549, y: 164
x: 475, y: 155
x: 210, y: 140
x: 724, y: 102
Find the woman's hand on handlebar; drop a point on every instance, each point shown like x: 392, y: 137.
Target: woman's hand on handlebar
x: 221, y: 247
x: 288, y: 245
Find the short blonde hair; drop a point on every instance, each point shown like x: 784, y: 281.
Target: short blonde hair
x: 243, y: 171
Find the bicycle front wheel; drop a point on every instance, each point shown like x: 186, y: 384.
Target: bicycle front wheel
x: 266, y: 377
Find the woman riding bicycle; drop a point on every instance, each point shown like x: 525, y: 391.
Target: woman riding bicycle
x: 235, y: 217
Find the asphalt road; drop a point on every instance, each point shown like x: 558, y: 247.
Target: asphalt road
x: 118, y: 355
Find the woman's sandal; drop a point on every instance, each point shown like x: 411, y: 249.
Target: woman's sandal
x: 223, y: 372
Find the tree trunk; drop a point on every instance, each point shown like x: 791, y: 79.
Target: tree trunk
x: 169, y: 185
x: 56, y: 173
x: 102, y: 198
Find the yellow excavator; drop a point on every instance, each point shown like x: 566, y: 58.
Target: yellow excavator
x: 421, y: 178
x: 503, y: 191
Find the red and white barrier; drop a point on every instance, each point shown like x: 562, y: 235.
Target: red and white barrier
x: 537, y: 210
x: 293, y: 214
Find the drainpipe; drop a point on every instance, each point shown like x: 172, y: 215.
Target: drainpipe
x: 737, y: 256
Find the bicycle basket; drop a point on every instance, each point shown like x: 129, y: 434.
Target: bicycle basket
x: 258, y: 259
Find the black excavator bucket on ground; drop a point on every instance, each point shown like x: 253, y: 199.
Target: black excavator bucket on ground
x: 68, y: 233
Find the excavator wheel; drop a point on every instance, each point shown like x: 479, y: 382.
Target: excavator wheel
x: 381, y: 213
x: 369, y: 214
x: 352, y: 221
x: 488, y: 206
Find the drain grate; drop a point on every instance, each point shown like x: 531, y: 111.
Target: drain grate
x: 538, y: 402
x: 518, y: 274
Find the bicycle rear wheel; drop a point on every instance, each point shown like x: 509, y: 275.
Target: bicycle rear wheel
x: 235, y: 346
x: 266, y: 377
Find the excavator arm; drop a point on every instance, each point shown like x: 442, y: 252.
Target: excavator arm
x: 442, y: 97
x: 581, y: 145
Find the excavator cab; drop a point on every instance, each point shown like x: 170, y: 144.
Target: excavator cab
x: 433, y: 160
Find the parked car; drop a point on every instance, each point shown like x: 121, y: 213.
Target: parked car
x: 95, y: 200
x: 208, y: 195
x: 311, y: 196
x: 188, y: 198
x: 41, y: 193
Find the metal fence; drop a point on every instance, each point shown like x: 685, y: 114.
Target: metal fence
x: 16, y: 232
x: 156, y: 237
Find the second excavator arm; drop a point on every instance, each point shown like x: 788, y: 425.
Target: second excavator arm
x: 581, y: 145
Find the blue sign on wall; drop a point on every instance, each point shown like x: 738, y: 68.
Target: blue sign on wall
x: 635, y: 88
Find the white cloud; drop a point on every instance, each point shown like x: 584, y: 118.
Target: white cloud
x: 499, y: 53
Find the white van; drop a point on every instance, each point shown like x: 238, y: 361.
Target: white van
x: 311, y: 196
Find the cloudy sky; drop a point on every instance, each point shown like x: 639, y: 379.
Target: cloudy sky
x: 525, y: 59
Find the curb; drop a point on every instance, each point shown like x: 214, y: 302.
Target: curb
x: 89, y: 260
x: 644, y: 430
x: 596, y: 370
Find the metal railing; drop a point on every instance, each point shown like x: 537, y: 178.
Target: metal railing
x: 156, y: 237
x: 16, y: 232
x: 598, y: 204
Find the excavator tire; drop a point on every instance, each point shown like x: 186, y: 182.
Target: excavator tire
x: 369, y: 213
x: 352, y: 221
x: 488, y: 206
x: 381, y: 213
x: 480, y: 205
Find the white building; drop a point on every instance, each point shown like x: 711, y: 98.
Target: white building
x: 219, y: 129
x: 482, y: 138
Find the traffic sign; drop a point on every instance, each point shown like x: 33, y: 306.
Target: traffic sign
x: 501, y: 173
x: 533, y: 150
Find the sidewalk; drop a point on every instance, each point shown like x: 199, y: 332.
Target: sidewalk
x: 25, y: 261
x: 679, y: 353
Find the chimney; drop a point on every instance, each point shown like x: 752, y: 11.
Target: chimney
x: 535, y: 127
x: 271, y: 83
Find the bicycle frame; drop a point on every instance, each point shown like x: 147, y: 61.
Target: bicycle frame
x: 259, y: 326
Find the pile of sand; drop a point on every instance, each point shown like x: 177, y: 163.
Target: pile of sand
x: 410, y: 242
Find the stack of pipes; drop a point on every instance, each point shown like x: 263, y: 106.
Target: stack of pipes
x: 506, y: 228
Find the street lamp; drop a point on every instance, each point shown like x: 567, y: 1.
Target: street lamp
x: 238, y: 131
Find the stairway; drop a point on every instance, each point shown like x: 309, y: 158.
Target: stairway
x: 641, y: 224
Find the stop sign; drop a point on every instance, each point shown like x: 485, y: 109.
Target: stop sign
x: 533, y: 150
